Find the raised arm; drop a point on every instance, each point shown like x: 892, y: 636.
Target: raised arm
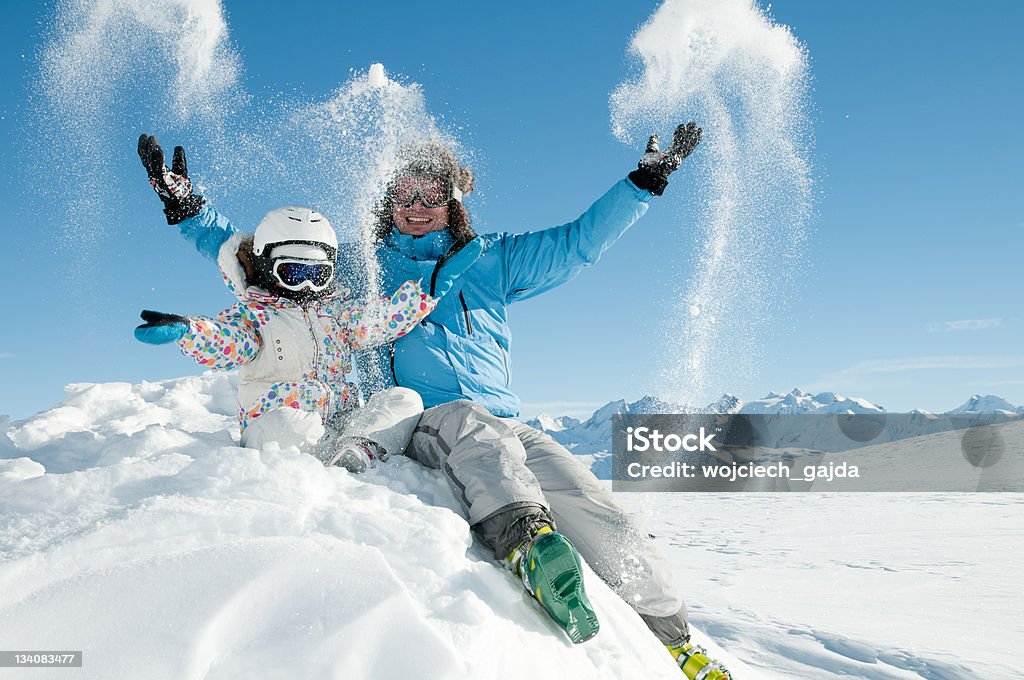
x: 199, y: 224
x: 538, y: 261
x: 367, y: 323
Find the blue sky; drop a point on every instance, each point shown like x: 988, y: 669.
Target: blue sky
x: 911, y: 292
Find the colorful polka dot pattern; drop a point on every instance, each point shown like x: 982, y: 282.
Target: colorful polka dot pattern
x: 338, y: 325
x: 228, y: 341
x: 307, y: 395
x: 375, y: 323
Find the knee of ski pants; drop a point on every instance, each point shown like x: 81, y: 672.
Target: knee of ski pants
x: 388, y: 418
x: 398, y: 398
x: 284, y: 426
x: 463, y: 416
x: 464, y: 409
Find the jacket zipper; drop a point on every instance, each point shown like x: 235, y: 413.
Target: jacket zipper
x: 394, y: 376
x: 456, y: 247
x: 465, y: 311
x: 316, y: 362
x: 504, y: 359
x: 437, y: 268
x: 316, y: 344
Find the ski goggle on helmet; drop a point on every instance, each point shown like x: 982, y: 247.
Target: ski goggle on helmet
x: 300, y: 245
x: 432, y: 191
x: 301, y: 266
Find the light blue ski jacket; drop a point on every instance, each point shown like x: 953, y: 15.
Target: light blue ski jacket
x: 462, y: 350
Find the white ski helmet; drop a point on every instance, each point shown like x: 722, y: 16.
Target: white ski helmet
x: 294, y: 225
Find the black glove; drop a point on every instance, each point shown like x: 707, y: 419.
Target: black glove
x: 654, y: 168
x: 172, y: 186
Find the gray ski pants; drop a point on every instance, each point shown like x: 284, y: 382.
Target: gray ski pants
x: 500, y: 468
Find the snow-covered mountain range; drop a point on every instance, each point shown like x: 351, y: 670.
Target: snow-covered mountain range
x: 987, y: 404
x: 593, y: 435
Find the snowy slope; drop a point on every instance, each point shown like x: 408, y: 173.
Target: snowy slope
x: 133, y: 527
x: 835, y: 586
x: 861, y: 585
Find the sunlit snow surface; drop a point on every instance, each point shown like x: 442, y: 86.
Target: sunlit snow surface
x: 132, y: 527
x: 864, y: 585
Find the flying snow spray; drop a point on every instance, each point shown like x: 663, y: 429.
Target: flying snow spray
x: 348, y: 147
x: 111, y: 69
x: 106, y: 66
x: 744, y: 79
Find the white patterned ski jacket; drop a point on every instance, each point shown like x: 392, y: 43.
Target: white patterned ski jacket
x: 294, y: 356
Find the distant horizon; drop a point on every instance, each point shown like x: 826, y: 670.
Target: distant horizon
x: 583, y: 411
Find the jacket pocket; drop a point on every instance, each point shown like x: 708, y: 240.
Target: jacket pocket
x: 505, y: 363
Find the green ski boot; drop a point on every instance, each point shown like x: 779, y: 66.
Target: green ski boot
x: 695, y: 663
x: 551, y: 572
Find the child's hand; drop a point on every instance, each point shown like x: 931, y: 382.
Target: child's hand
x: 160, y: 328
x: 454, y: 264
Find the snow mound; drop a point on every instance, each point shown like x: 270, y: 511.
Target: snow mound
x: 134, y: 528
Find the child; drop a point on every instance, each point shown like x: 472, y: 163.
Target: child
x: 291, y: 333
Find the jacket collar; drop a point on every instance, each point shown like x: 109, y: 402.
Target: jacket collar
x: 423, y: 248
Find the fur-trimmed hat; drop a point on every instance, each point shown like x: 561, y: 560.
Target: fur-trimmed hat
x: 432, y: 158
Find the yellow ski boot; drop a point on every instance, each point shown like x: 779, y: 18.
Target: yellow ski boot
x: 696, y: 664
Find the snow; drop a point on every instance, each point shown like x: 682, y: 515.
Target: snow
x: 377, y: 77
x: 745, y: 78
x: 134, y: 528
x: 551, y: 424
x: 883, y: 585
x: 686, y: 44
x: 98, y: 43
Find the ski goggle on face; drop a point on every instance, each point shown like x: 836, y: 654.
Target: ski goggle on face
x: 303, y: 274
x: 432, y: 191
